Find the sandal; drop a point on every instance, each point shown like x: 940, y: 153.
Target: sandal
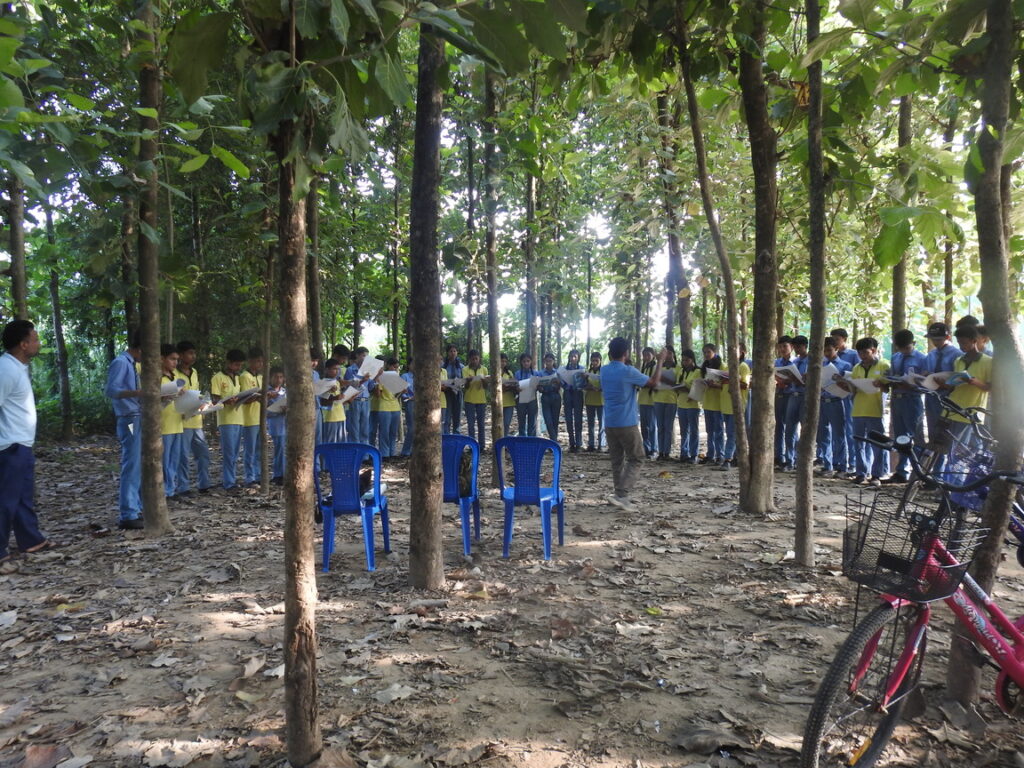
x: 41, y: 547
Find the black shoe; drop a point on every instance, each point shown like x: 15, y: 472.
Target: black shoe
x: 135, y: 524
x: 204, y: 490
x: 895, y: 480
x: 183, y: 494
x: 277, y: 481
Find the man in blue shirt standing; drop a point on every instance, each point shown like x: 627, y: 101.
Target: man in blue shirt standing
x: 907, y: 401
x: 359, y: 408
x: 124, y: 391
x: 17, y: 435
x: 941, y: 357
x: 847, y: 355
x: 619, y: 384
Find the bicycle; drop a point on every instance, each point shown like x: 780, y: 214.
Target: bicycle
x: 912, y: 555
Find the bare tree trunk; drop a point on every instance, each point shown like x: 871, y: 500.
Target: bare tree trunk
x: 899, y: 271
x: 804, y: 546
x: 268, y: 321
x: 396, y: 244
x: 316, y: 322
x: 426, y: 565
x: 67, y: 422
x: 490, y: 255
x: 756, y: 497
x: 202, y: 302
x: 668, y: 124
x: 129, y: 274
x: 169, y: 227
x: 16, y: 221
x: 529, y: 254
x: 962, y: 676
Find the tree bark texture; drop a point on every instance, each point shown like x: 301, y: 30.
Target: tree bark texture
x: 67, y: 423
x: 529, y: 256
x: 804, y: 545
x: 905, y: 133
x: 129, y: 271
x: 268, y: 322
x: 154, y: 503
x: 426, y: 566
x: 490, y: 254
x: 316, y: 324
x: 1008, y: 366
x: 16, y: 222
x: 756, y: 494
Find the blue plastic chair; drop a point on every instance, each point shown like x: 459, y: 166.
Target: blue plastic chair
x: 452, y: 449
x: 343, y: 462
x: 527, y: 456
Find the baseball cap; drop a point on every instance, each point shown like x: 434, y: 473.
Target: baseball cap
x: 937, y: 331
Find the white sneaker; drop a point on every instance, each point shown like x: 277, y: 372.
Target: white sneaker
x: 622, y: 502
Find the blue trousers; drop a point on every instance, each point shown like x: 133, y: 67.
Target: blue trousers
x: 907, y: 411
x: 551, y: 405
x: 527, y: 413
x: 359, y: 420
x: 387, y: 432
x: 172, y: 459
x: 17, y: 515
x: 409, y: 409
x: 193, y: 443
x: 278, y: 467
x: 252, y: 449
x: 475, y: 417
x: 781, y: 403
x: 871, y: 461
x: 230, y: 440
x: 851, y: 444
x: 832, y: 435
x: 506, y: 417
x: 334, y: 431
x: 574, y: 417
x: 665, y: 417
x: 595, y: 412
x: 794, y: 410
x: 129, y: 435
x: 452, y: 412
x: 716, y: 436
x: 729, y: 423
x: 649, y: 428
x: 689, y: 433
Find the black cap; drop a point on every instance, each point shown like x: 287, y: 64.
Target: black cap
x: 937, y: 331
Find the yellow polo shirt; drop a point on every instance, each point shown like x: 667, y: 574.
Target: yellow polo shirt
x: 250, y: 411
x: 726, y: 398
x: 191, y: 382
x: 683, y: 396
x: 968, y: 395
x: 224, y: 386
x: 508, y: 396
x: 476, y: 392
x: 170, y: 419
x: 595, y: 396
x: 864, y: 404
x: 382, y: 400
x: 712, y: 399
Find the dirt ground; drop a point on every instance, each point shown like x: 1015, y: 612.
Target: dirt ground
x: 682, y: 635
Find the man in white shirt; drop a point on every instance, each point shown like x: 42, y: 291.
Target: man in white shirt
x: 17, y: 434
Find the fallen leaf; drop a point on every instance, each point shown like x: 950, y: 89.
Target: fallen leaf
x: 277, y: 671
x: 7, y: 619
x: 394, y: 692
x: 253, y: 665
x: 164, y: 660
x: 44, y: 755
x: 704, y: 741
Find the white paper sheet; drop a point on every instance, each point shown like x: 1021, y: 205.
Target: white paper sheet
x: 829, y: 384
x: 697, y: 390
x: 188, y: 402
x: 865, y: 385
x: 350, y: 393
x: 789, y: 373
x: 934, y: 380
x: 371, y: 367
x: 325, y: 386
x: 393, y: 382
x: 568, y: 377
x: 246, y: 393
x: 279, y: 405
x: 714, y: 373
x: 456, y: 384
x: 528, y: 389
x: 172, y: 388
x: 668, y: 376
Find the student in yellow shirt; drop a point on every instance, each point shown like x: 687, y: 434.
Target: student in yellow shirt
x: 332, y: 405
x: 688, y: 410
x: 193, y: 438
x: 728, y: 418
x: 872, y: 463
x: 224, y: 388
x: 388, y: 412
x: 665, y: 410
x: 475, y: 396
x: 713, y: 425
x: 645, y: 401
x: 252, y: 445
x: 509, y: 387
x: 971, y: 392
x: 171, y: 425
x: 593, y: 401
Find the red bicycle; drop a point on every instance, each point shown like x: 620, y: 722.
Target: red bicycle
x: 912, y: 555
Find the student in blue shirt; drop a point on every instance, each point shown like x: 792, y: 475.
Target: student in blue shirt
x: 526, y: 413
x: 573, y: 400
x: 551, y: 397
x: 276, y: 425
x: 941, y: 357
x: 832, y: 422
x: 784, y: 349
x: 848, y: 355
x: 795, y: 392
x: 906, y: 400
x: 124, y: 390
x: 619, y: 384
x: 408, y: 399
x: 359, y: 408
x: 648, y: 421
x: 452, y: 412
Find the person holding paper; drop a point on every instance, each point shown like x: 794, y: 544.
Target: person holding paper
x: 847, y: 355
x: 688, y: 410
x: 712, y: 403
x: 171, y: 425
x: 386, y: 412
x: 475, y: 396
x: 664, y: 407
x: 645, y: 401
x: 972, y: 391
x: 574, y: 404
x: 252, y: 445
x: 593, y: 401
x: 276, y: 425
x: 224, y: 388
x: 332, y: 405
x: 193, y: 437
x: 872, y: 463
x: 832, y: 422
x: 550, y: 397
x: 784, y: 349
x: 508, y: 395
x: 526, y: 412
x: 453, y: 369
x: 941, y: 358
x: 359, y: 407
x: 619, y: 383
x: 728, y: 417
x: 906, y: 400
x: 124, y: 391
x: 794, y: 403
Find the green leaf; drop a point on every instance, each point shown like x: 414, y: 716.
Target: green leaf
x: 392, y: 79
x: 147, y: 112
x: 10, y: 94
x: 826, y: 44
x: 339, y: 20
x: 151, y: 234
x: 306, y: 13
x: 572, y: 13
x: 860, y: 12
x: 367, y: 7
x: 197, y: 45
x: 543, y: 31
x: 8, y: 45
x: 79, y: 102
x: 498, y: 33
x: 194, y: 164
x: 232, y: 162
x: 890, y: 245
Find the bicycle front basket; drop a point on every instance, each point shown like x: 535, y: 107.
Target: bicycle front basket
x: 964, y: 465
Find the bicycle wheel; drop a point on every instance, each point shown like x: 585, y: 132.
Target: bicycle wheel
x: 847, y: 727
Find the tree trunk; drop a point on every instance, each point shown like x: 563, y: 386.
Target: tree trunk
x: 154, y: 503
x: 129, y: 275
x: 668, y: 124
x: 756, y: 497
x: 711, y: 217
x: 316, y: 322
x: 202, y: 301
x: 396, y: 246
x: 16, y: 221
x: 1008, y: 366
x: 529, y: 254
x: 899, y: 271
x: 426, y: 566
x: 268, y: 322
x: 471, y: 194
x: 804, y: 546
x: 67, y: 422
x: 490, y: 255
x: 169, y: 308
